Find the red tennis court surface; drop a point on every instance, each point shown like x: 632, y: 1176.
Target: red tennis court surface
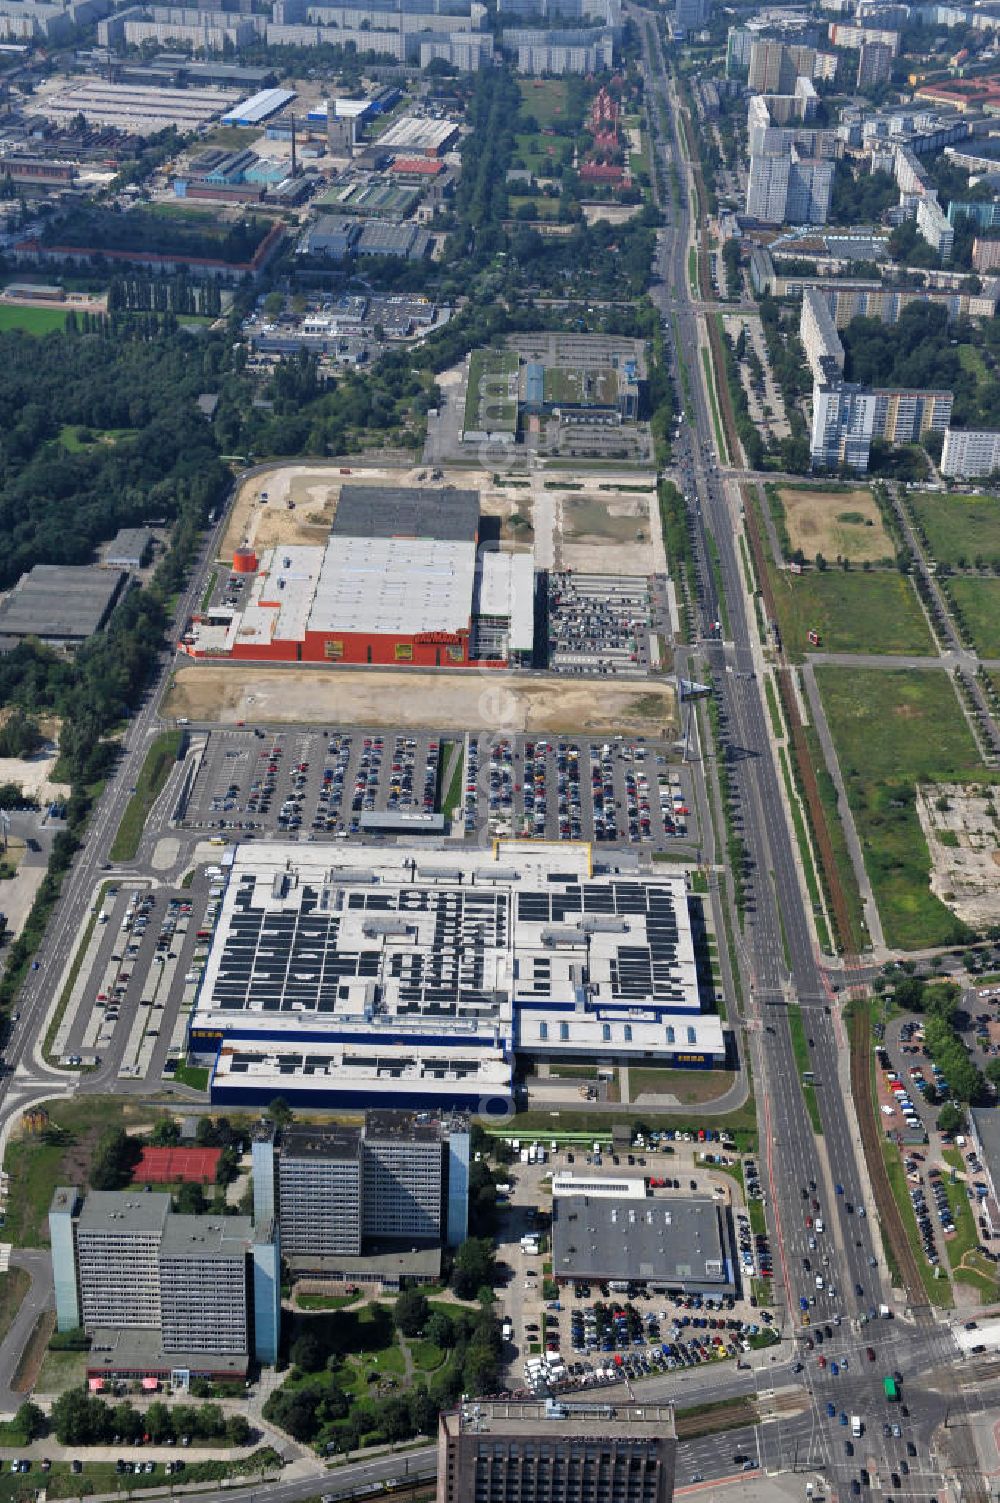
x: 169, y: 1166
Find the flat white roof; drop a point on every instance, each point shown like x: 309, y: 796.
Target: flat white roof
x: 507, y: 590
x: 517, y: 945
x: 616, y: 1185
x: 281, y: 597
x: 259, y: 106
x: 411, y: 133
x: 348, y: 1066
x: 395, y: 585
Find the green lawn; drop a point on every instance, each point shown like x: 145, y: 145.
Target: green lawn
x: 538, y: 153
x: 853, y: 612
x: 13, y: 1287
x: 491, y: 395
x: 688, y: 1086
x: 545, y: 99
x: 159, y: 760
x: 195, y: 1076
x: 101, y: 1477
x: 979, y: 602
x: 32, y: 320
x: 37, y: 1163
x: 892, y: 729
x: 71, y: 440
x: 541, y: 208
x: 959, y: 528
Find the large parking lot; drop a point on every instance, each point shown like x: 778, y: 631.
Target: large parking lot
x: 568, y: 1337
x: 318, y: 785
x: 599, y: 623
x: 139, y: 975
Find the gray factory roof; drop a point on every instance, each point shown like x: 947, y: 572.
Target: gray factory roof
x: 60, y: 602
x: 521, y: 1418
x: 391, y: 511
x: 674, y: 1241
x: 129, y: 546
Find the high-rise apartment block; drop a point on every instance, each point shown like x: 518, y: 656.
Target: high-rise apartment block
x: 344, y: 1194
x: 791, y: 165
x: 164, y: 1293
x: 933, y: 224
x: 874, y: 64
x: 775, y: 64
x: 847, y: 417
x: 689, y: 15
x: 985, y: 254
x: 970, y: 454
x: 820, y: 339
x: 529, y: 1451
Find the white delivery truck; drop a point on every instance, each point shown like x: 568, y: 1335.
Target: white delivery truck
x: 856, y: 1426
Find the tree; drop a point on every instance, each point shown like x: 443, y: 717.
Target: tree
x: 307, y: 1353
x: 279, y: 1112
x: 190, y: 1200
x: 438, y: 1328
x: 950, y: 1118
x: 411, y: 1312
x: 30, y: 1422
x: 475, y: 1265
x: 992, y: 1072
x: 114, y: 1159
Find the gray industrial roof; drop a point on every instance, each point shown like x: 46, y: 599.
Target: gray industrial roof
x: 60, y: 602
x: 128, y: 546
x: 674, y: 1241
x: 389, y: 511
x: 986, y: 1125
x: 114, y: 1350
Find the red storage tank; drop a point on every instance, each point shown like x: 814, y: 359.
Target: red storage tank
x: 245, y: 561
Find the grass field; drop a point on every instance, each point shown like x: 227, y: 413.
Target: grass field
x: 61, y: 1156
x: 959, y: 529
x: 13, y: 1287
x: 545, y: 99
x: 836, y: 523
x: 541, y: 208
x: 32, y: 320
x: 688, y: 1086
x: 853, y: 612
x: 938, y: 1290
x: 979, y: 602
x: 70, y: 437
x: 159, y: 760
x: 891, y: 730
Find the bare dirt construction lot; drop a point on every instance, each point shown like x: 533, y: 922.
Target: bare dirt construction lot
x: 961, y: 824
x: 314, y: 490
x: 838, y: 524
x: 446, y: 701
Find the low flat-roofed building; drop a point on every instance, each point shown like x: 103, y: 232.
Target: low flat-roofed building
x: 615, y: 1186
x: 534, y: 1451
x: 667, y: 1243
x: 129, y: 548
x: 61, y: 602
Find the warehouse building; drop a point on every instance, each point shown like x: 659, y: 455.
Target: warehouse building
x: 130, y: 548
x: 259, y: 107
x: 670, y: 1244
x: 395, y: 584
x: 163, y: 1295
x: 389, y: 975
x: 61, y: 604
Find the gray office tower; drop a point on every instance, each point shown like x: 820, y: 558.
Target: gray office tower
x: 163, y: 1293
x: 401, y: 1178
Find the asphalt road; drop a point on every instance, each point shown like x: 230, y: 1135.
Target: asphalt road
x: 781, y: 964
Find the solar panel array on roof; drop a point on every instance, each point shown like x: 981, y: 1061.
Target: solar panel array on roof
x: 388, y: 511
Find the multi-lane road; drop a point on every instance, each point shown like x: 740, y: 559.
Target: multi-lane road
x: 777, y: 952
